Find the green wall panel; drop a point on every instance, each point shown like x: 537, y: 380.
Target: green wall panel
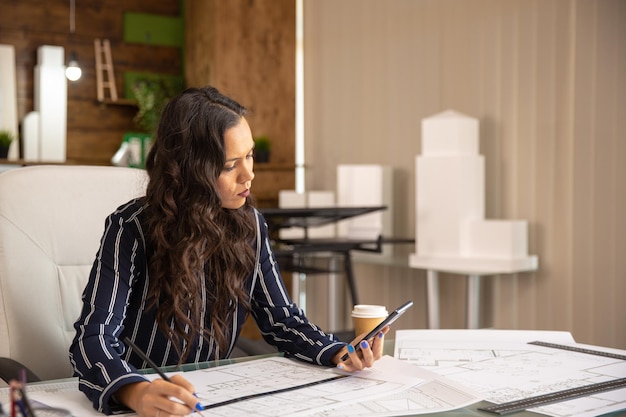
x: 153, y: 29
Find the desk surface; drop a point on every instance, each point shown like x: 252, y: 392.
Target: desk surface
x: 472, y: 410
x: 389, y: 346
x: 388, y: 350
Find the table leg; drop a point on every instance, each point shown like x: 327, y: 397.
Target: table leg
x: 295, y: 288
x: 473, y: 301
x: 432, y: 289
x: 298, y: 280
x: 332, y: 295
x: 350, y: 276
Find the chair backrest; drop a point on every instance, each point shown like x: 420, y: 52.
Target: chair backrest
x: 51, y: 222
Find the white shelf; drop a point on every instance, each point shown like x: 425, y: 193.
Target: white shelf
x: 474, y: 266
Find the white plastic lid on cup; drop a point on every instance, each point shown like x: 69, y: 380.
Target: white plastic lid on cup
x: 367, y: 310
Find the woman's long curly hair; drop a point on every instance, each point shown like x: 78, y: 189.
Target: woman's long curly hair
x: 201, y: 253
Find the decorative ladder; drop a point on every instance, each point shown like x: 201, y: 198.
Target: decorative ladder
x: 103, y: 50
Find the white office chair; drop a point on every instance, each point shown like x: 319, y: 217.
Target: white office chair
x: 51, y: 222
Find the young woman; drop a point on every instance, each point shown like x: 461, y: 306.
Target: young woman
x: 179, y: 270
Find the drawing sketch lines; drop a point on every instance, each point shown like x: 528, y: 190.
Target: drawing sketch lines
x: 507, y: 368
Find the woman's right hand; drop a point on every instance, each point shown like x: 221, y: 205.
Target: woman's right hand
x: 153, y: 399
x: 370, y: 351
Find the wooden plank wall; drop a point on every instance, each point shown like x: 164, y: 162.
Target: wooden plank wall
x: 247, y: 49
x: 94, y: 130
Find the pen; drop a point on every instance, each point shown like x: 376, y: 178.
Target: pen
x: 147, y: 359
x: 23, y: 411
x: 25, y: 404
x: 154, y: 366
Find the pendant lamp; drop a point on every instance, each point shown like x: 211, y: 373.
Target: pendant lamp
x: 73, y: 71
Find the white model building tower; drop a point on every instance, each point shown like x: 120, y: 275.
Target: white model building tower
x: 452, y: 233
x: 366, y: 185
x: 45, y: 128
x: 8, y: 96
x: 308, y: 199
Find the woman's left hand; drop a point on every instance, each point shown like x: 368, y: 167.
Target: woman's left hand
x: 369, y: 352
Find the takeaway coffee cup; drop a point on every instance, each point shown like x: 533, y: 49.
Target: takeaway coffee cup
x: 365, y: 317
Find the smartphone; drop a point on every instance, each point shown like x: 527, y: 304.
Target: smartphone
x: 395, y: 315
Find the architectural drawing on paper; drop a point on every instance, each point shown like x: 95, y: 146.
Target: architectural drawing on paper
x: 506, y: 370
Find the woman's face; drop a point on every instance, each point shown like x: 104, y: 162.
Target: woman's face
x: 233, y: 184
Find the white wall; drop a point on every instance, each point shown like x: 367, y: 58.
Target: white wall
x: 547, y: 80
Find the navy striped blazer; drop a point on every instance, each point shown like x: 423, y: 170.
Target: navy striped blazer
x: 114, y: 307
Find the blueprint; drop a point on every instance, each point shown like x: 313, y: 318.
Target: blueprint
x: 391, y: 389
x: 503, y: 367
x: 264, y: 387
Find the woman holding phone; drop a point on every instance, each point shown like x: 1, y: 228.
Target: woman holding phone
x: 180, y: 269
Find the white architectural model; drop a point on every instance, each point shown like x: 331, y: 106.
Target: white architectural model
x: 45, y: 129
x: 366, y: 185
x: 8, y: 96
x: 307, y: 199
x: 452, y: 233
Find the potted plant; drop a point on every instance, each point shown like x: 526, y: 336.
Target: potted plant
x: 6, y: 137
x: 261, y: 149
x: 151, y: 98
x: 151, y: 92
